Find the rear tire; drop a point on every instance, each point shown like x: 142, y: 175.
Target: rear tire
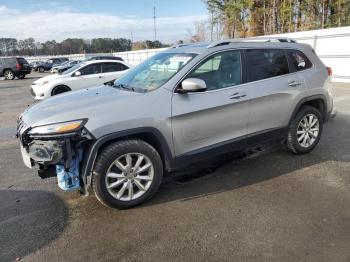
x: 9, y: 75
x: 59, y: 90
x: 41, y: 69
x: 122, y: 183
x: 305, y: 130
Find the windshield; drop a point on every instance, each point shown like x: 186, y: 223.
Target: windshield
x: 64, y: 63
x: 71, y: 70
x: 154, y: 72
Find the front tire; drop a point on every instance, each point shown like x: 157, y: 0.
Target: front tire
x: 9, y: 75
x: 59, y: 90
x: 127, y: 173
x: 41, y: 69
x: 305, y: 130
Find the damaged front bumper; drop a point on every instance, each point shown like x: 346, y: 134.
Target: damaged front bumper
x: 64, y: 152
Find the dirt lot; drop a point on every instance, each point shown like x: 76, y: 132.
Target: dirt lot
x: 270, y: 206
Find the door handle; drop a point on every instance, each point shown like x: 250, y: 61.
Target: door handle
x: 100, y: 76
x: 237, y: 95
x: 294, y: 83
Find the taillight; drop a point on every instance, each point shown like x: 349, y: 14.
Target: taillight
x: 330, y: 72
x: 18, y: 66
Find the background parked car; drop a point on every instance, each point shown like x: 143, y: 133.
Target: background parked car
x: 47, y: 65
x: 11, y: 67
x: 105, y: 58
x: 83, y: 75
x: 32, y: 64
x: 64, y: 66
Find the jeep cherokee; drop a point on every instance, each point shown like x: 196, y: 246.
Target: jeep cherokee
x: 186, y: 104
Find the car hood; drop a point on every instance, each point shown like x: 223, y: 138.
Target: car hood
x: 81, y: 104
x: 48, y: 78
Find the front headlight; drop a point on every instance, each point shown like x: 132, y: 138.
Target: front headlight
x: 59, y: 128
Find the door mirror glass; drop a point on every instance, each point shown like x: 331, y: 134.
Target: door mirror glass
x: 192, y: 85
x: 77, y: 73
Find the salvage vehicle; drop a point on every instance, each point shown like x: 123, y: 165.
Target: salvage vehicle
x: 82, y: 75
x: 11, y: 67
x: 184, y: 105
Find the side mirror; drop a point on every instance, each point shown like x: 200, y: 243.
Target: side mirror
x: 192, y: 85
x: 77, y: 73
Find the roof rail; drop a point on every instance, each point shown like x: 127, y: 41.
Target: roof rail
x: 197, y: 44
x: 252, y: 39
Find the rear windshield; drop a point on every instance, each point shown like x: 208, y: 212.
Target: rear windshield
x: 22, y: 61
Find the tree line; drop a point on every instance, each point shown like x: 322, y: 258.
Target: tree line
x: 242, y: 18
x: 28, y: 47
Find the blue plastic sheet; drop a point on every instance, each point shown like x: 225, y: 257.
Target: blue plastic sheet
x: 69, y: 180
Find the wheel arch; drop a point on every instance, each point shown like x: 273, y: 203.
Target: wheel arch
x: 150, y: 135
x: 56, y: 86
x: 317, y: 101
x: 5, y: 69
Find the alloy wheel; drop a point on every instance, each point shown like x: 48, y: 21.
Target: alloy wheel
x: 9, y: 75
x: 129, y: 176
x: 308, y: 130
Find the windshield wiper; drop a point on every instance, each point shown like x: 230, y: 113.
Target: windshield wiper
x: 125, y: 87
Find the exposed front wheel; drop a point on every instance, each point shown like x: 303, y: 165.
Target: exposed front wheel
x: 41, y: 69
x: 127, y: 173
x: 305, y: 130
x: 9, y: 75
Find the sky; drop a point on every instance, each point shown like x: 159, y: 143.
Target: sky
x: 60, y: 19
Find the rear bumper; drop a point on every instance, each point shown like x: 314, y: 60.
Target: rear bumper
x: 26, y: 72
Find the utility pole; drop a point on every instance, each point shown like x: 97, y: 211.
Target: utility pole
x: 132, y: 39
x: 154, y: 20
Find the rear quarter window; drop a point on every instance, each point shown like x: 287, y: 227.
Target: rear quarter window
x: 266, y: 63
x: 299, y: 60
x: 22, y: 61
x: 113, y: 67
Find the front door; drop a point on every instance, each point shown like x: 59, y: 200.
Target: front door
x: 91, y: 75
x: 217, y: 116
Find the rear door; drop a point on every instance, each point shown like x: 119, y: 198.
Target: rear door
x: 272, y: 89
x: 217, y: 117
x: 91, y: 75
x: 112, y: 71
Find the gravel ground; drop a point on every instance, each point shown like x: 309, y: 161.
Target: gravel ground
x: 270, y: 206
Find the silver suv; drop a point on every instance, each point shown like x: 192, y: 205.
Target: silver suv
x: 185, y: 104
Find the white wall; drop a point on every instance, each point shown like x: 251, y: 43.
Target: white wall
x: 131, y: 57
x: 331, y: 45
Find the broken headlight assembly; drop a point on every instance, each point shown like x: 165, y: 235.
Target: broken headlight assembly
x: 60, y: 146
x: 58, y: 128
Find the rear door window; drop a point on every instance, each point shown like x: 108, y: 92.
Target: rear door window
x: 113, y: 67
x: 91, y: 69
x: 266, y: 63
x: 299, y: 60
